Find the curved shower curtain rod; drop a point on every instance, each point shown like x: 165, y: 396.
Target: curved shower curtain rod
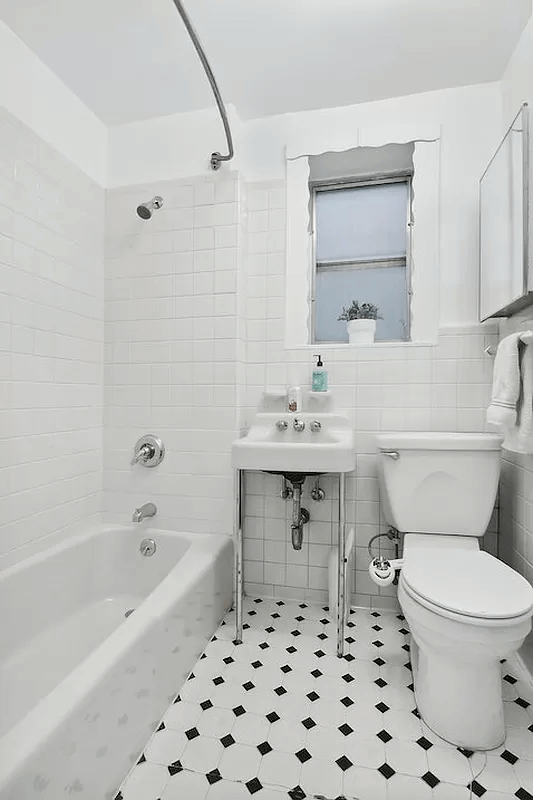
x: 216, y: 158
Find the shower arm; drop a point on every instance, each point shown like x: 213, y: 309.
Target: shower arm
x: 216, y: 158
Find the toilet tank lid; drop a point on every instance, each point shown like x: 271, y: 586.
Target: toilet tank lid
x: 439, y: 441
x: 473, y: 583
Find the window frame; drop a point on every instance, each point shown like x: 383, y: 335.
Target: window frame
x: 375, y: 179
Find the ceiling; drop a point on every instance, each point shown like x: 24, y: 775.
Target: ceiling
x: 132, y: 60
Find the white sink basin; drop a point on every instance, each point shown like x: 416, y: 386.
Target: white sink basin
x: 265, y: 447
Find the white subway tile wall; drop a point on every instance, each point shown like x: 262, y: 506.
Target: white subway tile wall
x: 174, y: 350
x: 51, y: 340
x: 385, y: 388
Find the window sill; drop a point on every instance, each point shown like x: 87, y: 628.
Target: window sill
x: 346, y: 345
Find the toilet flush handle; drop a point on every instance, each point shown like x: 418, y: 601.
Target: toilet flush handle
x: 394, y: 454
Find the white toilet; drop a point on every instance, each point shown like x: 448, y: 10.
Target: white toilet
x: 465, y: 608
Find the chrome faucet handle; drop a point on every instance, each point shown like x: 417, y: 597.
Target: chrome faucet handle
x: 394, y: 454
x: 149, y: 451
x: 144, y: 453
x: 315, y: 426
x: 282, y: 424
x: 298, y: 425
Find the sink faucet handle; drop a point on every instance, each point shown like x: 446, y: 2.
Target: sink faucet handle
x: 282, y: 424
x: 298, y: 425
x: 315, y: 426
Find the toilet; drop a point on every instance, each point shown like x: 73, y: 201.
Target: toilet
x: 466, y: 609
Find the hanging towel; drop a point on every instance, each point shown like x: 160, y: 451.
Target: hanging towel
x: 511, y: 408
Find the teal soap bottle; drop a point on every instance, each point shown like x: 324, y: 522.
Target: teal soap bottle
x: 319, y: 381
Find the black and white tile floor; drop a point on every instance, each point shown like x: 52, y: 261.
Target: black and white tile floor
x: 280, y: 716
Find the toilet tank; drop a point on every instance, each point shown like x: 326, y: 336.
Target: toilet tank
x: 438, y: 482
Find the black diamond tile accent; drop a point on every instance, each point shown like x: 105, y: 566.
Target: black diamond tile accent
x: 510, y: 679
x: 245, y: 627
x: 312, y: 696
x: 384, y: 736
x: 297, y: 793
x: 344, y: 763
x: 280, y: 603
x: 400, y: 616
x: 348, y: 678
x: 324, y: 621
x: 381, y: 683
x: 161, y: 727
x: 192, y: 733
x: 252, y: 613
x: 403, y: 630
x: 270, y: 629
x: 319, y: 653
x: 430, y: 779
x: 227, y: 740
x: 248, y: 685
x: 347, y: 701
x: 411, y: 686
x: 523, y: 794
x: 522, y: 703
x: 466, y: 753
x: 308, y: 723
x: 530, y: 728
x: 316, y: 673
x: 257, y: 664
x: 218, y: 680
x: 258, y: 600
x: 509, y: 757
x: 377, y: 628
x: 285, y: 668
x: 264, y: 748
x: 375, y: 614
x: 379, y: 662
x: 276, y: 615
x: 349, y: 657
x: 280, y: 690
x: 416, y: 713
x: 214, y: 776
x: 299, y: 619
x: 191, y: 676
x: 350, y: 624
x: 345, y: 729
x: 203, y: 656
x: 178, y: 699
x: 350, y: 640
x: 142, y: 759
x: 119, y: 796
x: 239, y: 711
x: 296, y: 632
x: 377, y: 643
x: 408, y: 666
x: 273, y: 717
x: 303, y: 755
x: 322, y: 636
x: 476, y: 788
x: 382, y: 707
x: 228, y: 660
x: 291, y: 649
x: 386, y: 770
x: 175, y: 767
x: 264, y: 645
x: 424, y: 743
x: 406, y: 647
x: 206, y: 704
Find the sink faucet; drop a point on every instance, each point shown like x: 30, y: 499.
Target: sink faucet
x: 147, y: 510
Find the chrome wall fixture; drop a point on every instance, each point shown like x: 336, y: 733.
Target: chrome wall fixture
x: 216, y: 158
x: 145, y: 210
x: 149, y: 451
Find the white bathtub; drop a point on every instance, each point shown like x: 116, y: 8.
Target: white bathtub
x: 81, y: 685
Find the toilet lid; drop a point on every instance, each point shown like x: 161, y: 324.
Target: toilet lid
x: 472, y: 583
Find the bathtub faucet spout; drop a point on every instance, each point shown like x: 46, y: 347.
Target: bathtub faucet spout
x: 147, y: 510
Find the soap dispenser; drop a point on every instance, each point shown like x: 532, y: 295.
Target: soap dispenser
x: 319, y: 382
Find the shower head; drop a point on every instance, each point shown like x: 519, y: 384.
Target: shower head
x: 145, y: 210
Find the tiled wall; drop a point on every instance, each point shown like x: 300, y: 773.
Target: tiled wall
x: 174, y: 350
x: 51, y: 340
x: 442, y: 388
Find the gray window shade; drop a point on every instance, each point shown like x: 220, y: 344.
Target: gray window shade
x: 365, y: 222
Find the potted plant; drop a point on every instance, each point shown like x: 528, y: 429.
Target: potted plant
x: 360, y: 321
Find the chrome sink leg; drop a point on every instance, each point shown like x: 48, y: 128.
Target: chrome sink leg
x: 341, y: 576
x: 238, y: 516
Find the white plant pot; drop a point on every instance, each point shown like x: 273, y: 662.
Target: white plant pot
x: 361, y: 331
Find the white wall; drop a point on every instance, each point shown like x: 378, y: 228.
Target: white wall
x: 51, y: 341
x: 34, y: 94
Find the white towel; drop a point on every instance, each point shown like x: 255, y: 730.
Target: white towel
x: 511, y: 408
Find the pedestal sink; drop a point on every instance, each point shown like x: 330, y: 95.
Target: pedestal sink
x: 295, y: 444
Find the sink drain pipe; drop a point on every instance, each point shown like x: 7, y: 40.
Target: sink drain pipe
x: 300, y: 516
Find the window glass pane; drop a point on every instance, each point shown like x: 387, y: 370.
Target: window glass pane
x: 361, y: 223
x: 386, y: 287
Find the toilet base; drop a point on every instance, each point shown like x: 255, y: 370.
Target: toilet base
x: 460, y: 701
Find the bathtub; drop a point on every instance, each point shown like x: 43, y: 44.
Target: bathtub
x: 83, y: 678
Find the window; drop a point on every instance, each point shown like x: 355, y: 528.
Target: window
x: 361, y: 248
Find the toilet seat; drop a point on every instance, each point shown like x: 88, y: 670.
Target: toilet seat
x: 466, y: 583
